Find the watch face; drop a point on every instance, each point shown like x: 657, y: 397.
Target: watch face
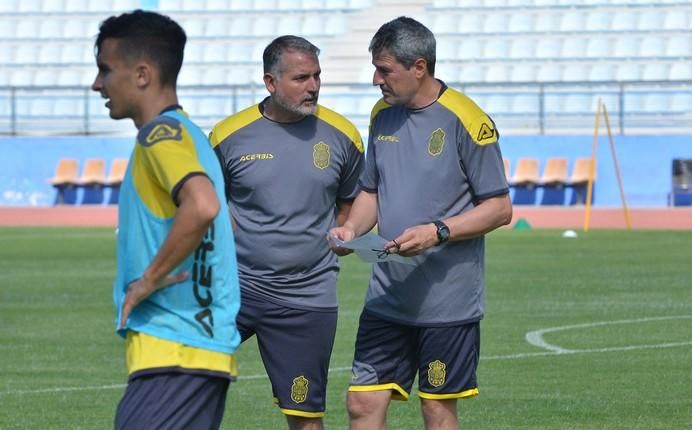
x: 442, y: 231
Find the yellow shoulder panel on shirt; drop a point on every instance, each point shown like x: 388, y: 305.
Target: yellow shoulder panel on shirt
x: 380, y: 105
x: 233, y: 123
x: 342, y: 124
x: 477, y: 123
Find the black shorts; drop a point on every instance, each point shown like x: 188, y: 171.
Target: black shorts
x: 172, y: 401
x: 389, y: 355
x: 295, y: 345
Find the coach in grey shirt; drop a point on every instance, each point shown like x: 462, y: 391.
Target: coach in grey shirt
x: 292, y: 169
x: 434, y: 183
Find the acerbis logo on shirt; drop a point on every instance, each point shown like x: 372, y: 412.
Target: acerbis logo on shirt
x: 253, y: 157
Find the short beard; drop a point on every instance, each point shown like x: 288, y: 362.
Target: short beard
x: 298, y: 110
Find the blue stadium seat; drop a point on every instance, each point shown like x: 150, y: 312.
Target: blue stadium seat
x: 598, y: 47
x: 655, y: 72
x: 496, y: 48
x: 598, y: 20
x: 628, y: 72
x: 652, y: 46
x: 523, y: 73
x: 520, y: 22
x: 523, y: 48
x: 650, y: 19
x: 626, y: 47
x: 623, y: 20
x: 573, y: 47
x: 548, y: 47
x: 602, y: 72
x: 680, y: 71
x: 675, y: 20
x: 572, y: 21
x: 678, y: 46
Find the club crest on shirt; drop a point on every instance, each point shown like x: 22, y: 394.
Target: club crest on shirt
x: 162, y: 132
x: 436, y: 142
x: 437, y: 373
x: 320, y: 155
x: 299, y: 389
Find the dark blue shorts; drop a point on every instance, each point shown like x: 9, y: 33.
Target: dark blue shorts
x: 295, y: 345
x: 389, y: 355
x: 172, y: 401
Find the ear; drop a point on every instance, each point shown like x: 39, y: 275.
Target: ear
x: 144, y: 74
x: 269, y: 82
x: 420, y: 68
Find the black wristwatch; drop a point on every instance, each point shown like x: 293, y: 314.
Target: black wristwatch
x: 442, y: 232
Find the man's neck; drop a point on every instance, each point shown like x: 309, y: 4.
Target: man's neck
x: 153, y: 106
x: 428, y: 92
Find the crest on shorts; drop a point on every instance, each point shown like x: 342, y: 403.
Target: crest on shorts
x: 320, y: 155
x: 299, y: 389
x: 437, y: 373
x: 436, y: 142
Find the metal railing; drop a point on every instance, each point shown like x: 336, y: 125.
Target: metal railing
x: 661, y: 107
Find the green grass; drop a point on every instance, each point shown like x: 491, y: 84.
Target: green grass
x: 61, y: 365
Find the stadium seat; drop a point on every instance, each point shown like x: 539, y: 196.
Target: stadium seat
x: 678, y: 46
x: 555, y: 171
x: 525, y: 180
x: 650, y: 19
x: 65, y: 181
x: 602, y: 72
x: 554, y: 180
x: 573, y: 47
x: 680, y: 71
x: 115, y: 178
x: 94, y: 172
x: 526, y: 172
x: 597, y: 20
x: 623, y: 20
x: 655, y: 72
x: 652, y: 46
x: 628, y: 72
x: 522, y: 48
x: 92, y: 181
x: 598, y: 47
x: 675, y: 20
x: 520, y: 22
x: 580, y: 178
x: 523, y: 73
x: 626, y: 47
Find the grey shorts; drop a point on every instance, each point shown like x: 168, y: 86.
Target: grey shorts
x: 389, y: 355
x: 295, y: 345
x: 172, y: 401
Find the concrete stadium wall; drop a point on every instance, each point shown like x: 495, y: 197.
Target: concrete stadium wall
x: 27, y: 163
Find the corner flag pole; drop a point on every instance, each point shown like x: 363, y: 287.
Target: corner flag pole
x: 589, y: 186
x: 617, y: 170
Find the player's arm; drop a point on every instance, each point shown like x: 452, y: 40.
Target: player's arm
x: 485, y: 217
x: 361, y: 219
x: 343, y: 208
x: 197, y: 208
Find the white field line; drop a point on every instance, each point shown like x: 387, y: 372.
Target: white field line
x: 534, y: 338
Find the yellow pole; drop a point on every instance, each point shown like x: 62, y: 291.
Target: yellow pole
x: 589, y: 186
x: 617, y: 169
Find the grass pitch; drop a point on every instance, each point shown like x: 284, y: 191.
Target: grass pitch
x: 608, y: 316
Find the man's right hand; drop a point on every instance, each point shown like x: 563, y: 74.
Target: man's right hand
x: 342, y: 233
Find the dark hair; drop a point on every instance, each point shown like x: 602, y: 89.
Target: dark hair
x: 144, y: 34
x: 272, y: 53
x: 406, y: 40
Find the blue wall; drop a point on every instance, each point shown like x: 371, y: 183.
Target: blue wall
x: 27, y: 163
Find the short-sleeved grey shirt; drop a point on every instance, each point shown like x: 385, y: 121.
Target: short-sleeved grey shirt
x: 429, y: 164
x: 283, y: 181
